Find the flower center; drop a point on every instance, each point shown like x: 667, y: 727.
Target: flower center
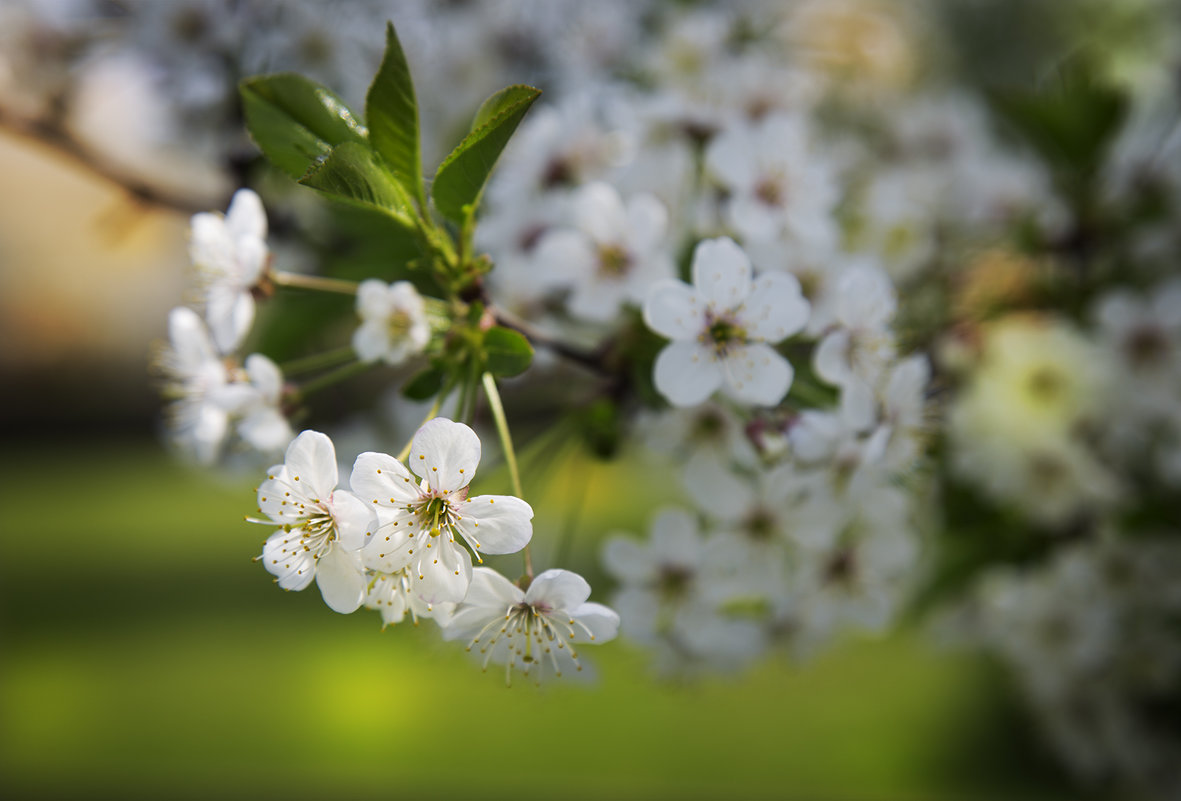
x: 770, y: 191
x: 1146, y: 346
x: 722, y: 333
x: 614, y: 261
x: 435, y: 515
x: 398, y: 325
x: 674, y: 581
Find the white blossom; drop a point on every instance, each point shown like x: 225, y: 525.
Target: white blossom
x: 393, y: 326
x: 322, y: 528
x: 421, y: 518
x: 534, y: 631
x: 721, y: 328
x: 230, y: 253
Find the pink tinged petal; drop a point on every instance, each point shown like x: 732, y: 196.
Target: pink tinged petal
x: 687, y: 373
x: 246, y: 216
x: 776, y: 308
x: 558, y: 589
x: 756, y: 374
x: 599, y: 212
x: 285, y: 558
x: 373, y: 300
x: 190, y: 339
x: 596, y: 623
x: 230, y: 313
x: 496, y: 524
x: 381, y: 480
x: 355, y: 519
x: 443, y: 572
x: 721, y: 273
x: 647, y: 221
x: 445, y: 453
x: 371, y: 340
x: 311, y: 465
x: 831, y: 357
x: 627, y: 561
x: 341, y: 580
x: 674, y: 310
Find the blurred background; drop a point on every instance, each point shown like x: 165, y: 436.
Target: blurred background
x: 144, y: 654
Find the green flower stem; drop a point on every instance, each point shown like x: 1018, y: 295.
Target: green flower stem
x: 510, y: 455
x: 319, y: 361
x: 334, y: 377
x: 314, y: 282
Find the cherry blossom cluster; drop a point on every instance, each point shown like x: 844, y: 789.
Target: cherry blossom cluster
x: 402, y: 539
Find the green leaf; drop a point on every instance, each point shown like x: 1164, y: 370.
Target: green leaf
x: 425, y: 385
x: 1070, y: 120
x: 353, y: 173
x: 462, y: 175
x: 506, y: 352
x: 392, y: 113
x: 296, y: 122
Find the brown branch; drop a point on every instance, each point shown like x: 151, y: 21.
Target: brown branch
x: 51, y: 133
x: 593, y: 360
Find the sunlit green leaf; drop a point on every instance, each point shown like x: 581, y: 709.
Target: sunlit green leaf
x: 392, y: 113
x: 353, y: 173
x: 296, y: 122
x: 462, y: 175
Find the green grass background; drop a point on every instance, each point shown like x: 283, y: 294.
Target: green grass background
x: 144, y: 655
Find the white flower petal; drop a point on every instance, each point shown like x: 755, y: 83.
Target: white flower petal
x: 230, y: 313
x: 558, y: 589
x: 756, y: 374
x: 355, y: 519
x: 564, y: 257
x: 445, y: 453
x: 831, y: 357
x: 380, y: 479
x: 265, y: 429
x: 371, y: 340
x: 311, y: 463
x: 721, y: 272
x: 627, y: 560
x: 373, y: 300
x: 265, y: 375
x: 285, y: 559
x: 686, y: 373
x: 602, y: 622
x: 599, y: 212
x: 496, y: 524
x: 731, y: 159
x: 776, y: 308
x: 341, y: 580
x: 190, y: 339
x: 444, y: 573
x: 675, y: 537
x: 674, y: 310
x: 246, y: 216
x: 647, y: 220
x: 715, y: 489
